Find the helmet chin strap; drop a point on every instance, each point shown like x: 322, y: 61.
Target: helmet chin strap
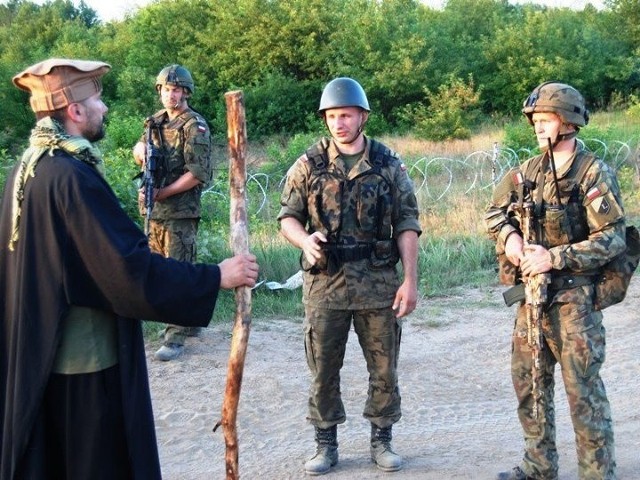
x: 561, y: 137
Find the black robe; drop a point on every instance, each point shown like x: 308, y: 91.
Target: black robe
x: 77, y: 246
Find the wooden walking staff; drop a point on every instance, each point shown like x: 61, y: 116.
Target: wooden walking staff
x: 237, y: 136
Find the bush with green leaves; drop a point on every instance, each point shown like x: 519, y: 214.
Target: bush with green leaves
x: 123, y: 130
x: 633, y: 111
x: 278, y: 105
x: 452, y: 112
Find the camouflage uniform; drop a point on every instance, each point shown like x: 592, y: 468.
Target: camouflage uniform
x: 185, y: 145
x: 360, y: 211
x: 589, y: 233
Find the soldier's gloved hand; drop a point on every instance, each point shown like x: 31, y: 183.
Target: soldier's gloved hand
x: 312, y: 248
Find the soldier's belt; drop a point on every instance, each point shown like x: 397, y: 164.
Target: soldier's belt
x: 516, y: 293
x: 348, y: 253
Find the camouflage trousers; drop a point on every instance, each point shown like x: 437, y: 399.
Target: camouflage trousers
x: 575, y: 340
x: 326, y: 335
x: 175, y: 238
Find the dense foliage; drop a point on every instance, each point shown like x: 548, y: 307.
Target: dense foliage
x: 428, y: 72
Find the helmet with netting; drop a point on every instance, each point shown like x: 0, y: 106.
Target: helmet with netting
x: 559, y: 98
x: 343, y: 92
x: 177, y: 76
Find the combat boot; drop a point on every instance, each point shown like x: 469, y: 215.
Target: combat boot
x: 326, y: 451
x: 514, y: 474
x: 168, y: 352
x: 381, y: 452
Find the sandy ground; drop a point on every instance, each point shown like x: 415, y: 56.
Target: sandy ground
x: 459, y: 417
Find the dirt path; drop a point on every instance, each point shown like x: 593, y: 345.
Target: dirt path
x: 459, y: 407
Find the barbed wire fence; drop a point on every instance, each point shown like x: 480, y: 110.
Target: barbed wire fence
x: 437, y: 177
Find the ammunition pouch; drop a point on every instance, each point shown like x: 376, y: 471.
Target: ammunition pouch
x: 384, y: 254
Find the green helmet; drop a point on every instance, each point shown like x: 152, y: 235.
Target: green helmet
x: 175, y: 75
x: 559, y: 98
x: 343, y: 92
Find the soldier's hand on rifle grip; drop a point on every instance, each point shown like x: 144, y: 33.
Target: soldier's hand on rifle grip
x: 139, y: 153
x: 514, y: 248
x: 537, y: 259
x: 157, y: 196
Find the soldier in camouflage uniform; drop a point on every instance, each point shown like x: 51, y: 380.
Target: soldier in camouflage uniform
x: 182, y: 138
x: 349, y: 205
x: 582, y: 227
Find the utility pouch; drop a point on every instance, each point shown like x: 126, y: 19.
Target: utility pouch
x: 613, y: 282
x: 556, y: 225
x: 384, y: 254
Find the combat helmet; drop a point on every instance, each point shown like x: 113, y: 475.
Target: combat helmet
x: 559, y: 98
x: 343, y: 92
x: 175, y: 75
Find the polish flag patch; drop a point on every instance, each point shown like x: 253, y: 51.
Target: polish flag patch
x: 594, y: 193
x: 202, y: 128
x: 518, y: 178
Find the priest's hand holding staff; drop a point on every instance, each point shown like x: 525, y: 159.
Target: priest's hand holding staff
x: 238, y: 271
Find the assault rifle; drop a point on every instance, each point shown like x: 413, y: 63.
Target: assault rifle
x: 536, y: 286
x: 535, y: 299
x: 149, y: 173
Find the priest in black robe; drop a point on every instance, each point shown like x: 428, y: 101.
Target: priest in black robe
x: 76, y: 274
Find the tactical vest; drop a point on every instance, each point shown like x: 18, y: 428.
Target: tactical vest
x: 354, y: 214
x: 555, y: 225
x: 347, y: 210
x: 564, y: 223
x: 169, y: 137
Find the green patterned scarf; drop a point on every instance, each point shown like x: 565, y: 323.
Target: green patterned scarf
x: 47, y: 136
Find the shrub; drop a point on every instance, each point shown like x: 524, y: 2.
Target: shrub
x: 278, y: 105
x: 452, y: 112
x: 634, y: 108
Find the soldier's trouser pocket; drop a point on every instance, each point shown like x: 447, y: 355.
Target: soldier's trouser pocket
x: 583, y: 345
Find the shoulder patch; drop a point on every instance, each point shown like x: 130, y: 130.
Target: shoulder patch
x: 602, y: 206
x: 517, y: 178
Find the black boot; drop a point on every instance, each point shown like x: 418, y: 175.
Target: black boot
x: 381, y: 451
x: 326, y: 451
